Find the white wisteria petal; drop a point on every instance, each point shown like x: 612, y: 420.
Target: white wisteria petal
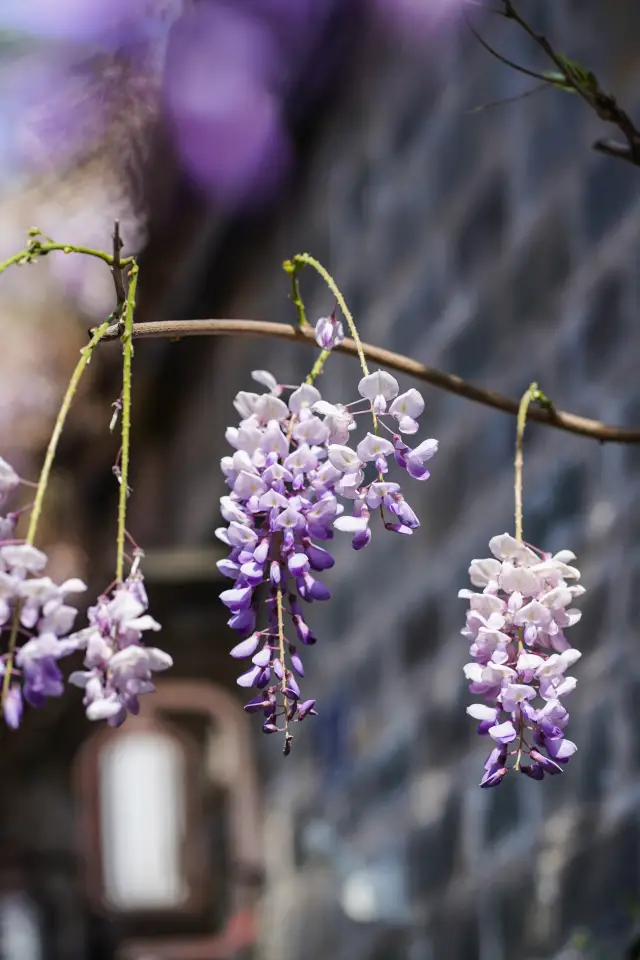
x: 408, y: 404
x: 304, y: 397
x: 373, y: 447
x: 344, y: 458
x: 267, y: 380
x: 351, y: 524
x: 377, y: 384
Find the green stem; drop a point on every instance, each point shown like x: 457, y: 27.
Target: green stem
x: 16, y: 258
x: 43, y: 481
x: 316, y: 369
x: 57, y: 430
x: 306, y: 258
x: 530, y: 395
x: 127, y: 354
x: 295, y: 296
x: 36, y: 249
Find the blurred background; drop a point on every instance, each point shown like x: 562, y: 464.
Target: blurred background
x: 488, y: 240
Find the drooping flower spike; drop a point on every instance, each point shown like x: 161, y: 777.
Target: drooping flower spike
x: 119, y: 667
x: 520, y: 656
x: 35, y: 621
x: 34, y: 617
x: 291, y: 467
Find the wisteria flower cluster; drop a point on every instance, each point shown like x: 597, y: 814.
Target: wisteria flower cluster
x: 119, y: 668
x: 291, y: 467
x: 33, y: 612
x: 521, y: 655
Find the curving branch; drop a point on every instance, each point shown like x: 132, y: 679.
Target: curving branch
x: 176, y: 329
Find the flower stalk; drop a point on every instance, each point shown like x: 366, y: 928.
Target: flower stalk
x: 127, y: 357
x: 530, y: 395
x: 43, y: 482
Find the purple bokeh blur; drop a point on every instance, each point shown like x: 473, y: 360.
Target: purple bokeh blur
x: 220, y: 96
x: 419, y: 20
x: 101, y: 22
x: 230, y: 75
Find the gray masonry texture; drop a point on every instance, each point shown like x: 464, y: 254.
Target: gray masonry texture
x: 497, y: 245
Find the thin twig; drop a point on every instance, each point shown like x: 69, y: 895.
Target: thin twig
x: 505, y: 60
x: 586, y: 85
x: 613, y: 148
x: 504, y: 101
x: 175, y: 329
x: 38, y: 249
x: 116, y: 269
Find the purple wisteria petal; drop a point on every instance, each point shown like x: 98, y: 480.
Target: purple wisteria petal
x: 545, y: 763
x: 306, y: 709
x: 296, y: 662
x: 329, y: 332
x: 13, y: 706
x: 246, y: 648
x: 249, y: 678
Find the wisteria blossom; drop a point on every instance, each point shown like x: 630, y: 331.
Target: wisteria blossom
x: 36, y: 620
x: 119, y: 667
x: 520, y: 656
x: 290, y: 474
x: 33, y: 615
x: 329, y: 332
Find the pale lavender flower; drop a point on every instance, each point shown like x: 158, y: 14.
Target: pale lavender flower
x: 36, y: 605
x: 406, y: 408
x: 290, y: 468
x: 329, y: 332
x: 13, y: 706
x: 378, y: 387
x: 9, y: 479
x: 44, y: 618
x: 119, y: 667
x: 521, y: 655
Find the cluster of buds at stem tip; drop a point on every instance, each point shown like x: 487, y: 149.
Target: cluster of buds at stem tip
x: 289, y: 476
x: 520, y: 656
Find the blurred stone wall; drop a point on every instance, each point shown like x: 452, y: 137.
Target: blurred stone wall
x: 496, y: 245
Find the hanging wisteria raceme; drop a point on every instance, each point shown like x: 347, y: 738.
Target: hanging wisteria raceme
x: 34, y: 618
x: 119, y: 667
x: 292, y: 466
x: 521, y: 655
x: 35, y: 622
